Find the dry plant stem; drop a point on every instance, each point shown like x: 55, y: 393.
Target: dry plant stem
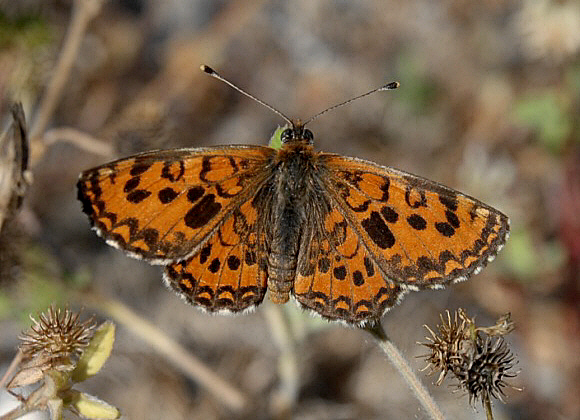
x: 83, y: 12
x: 13, y: 365
x: 487, y: 405
x: 14, y: 176
x: 81, y: 140
x: 404, y: 369
x: 16, y: 413
x: 285, y: 399
x: 175, y: 353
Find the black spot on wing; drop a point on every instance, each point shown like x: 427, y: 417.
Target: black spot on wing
x: 138, y: 168
x: 445, y: 229
x: 369, y: 267
x: 214, y: 265
x: 339, y: 272
x: 167, y: 195
x: 205, y: 210
x: 358, y: 278
x: 452, y: 219
x: 137, y: 196
x: 131, y: 184
x: 194, y: 194
x: 417, y: 222
x: 378, y: 231
x: 389, y: 214
x: 204, y: 253
x: 449, y: 201
x: 233, y: 262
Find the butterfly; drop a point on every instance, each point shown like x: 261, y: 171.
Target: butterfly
x: 345, y: 237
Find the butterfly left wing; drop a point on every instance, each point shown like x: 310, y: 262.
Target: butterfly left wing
x: 420, y: 234
x: 229, y: 274
x: 163, y: 206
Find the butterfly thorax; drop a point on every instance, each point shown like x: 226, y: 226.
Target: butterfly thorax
x: 292, y: 186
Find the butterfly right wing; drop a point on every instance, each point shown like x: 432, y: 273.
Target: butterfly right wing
x: 377, y: 232
x: 163, y: 205
x: 336, y: 275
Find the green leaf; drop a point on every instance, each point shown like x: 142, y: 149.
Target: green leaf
x: 528, y: 259
x: 548, y: 115
x: 521, y: 254
x: 55, y: 406
x: 420, y: 92
x: 5, y: 305
x: 276, y: 139
x: 96, y: 354
x: 91, y: 407
x: 31, y: 31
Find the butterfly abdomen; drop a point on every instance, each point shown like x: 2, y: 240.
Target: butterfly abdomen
x: 282, y: 258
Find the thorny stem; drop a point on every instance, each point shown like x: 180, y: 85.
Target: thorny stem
x: 404, y: 369
x: 83, y: 12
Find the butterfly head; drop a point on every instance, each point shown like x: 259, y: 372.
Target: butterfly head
x: 297, y: 133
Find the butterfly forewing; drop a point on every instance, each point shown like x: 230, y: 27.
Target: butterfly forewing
x: 163, y: 205
x: 420, y: 233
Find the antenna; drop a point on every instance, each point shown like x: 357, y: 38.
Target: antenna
x: 388, y: 86
x: 215, y: 74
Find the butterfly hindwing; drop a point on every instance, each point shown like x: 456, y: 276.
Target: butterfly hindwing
x: 420, y: 233
x: 163, y: 205
x: 336, y: 275
x: 229, y: 273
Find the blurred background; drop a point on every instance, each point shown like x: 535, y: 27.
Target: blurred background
x: 489, y: 104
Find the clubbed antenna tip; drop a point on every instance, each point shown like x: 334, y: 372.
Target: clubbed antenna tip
x: 213, y: 73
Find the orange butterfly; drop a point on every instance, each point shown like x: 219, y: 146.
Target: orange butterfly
x: 346, y: 237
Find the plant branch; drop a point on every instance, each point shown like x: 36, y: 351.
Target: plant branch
x: 80, y: 139
x: 83, y: 12
x: 404, y: 369
x: 287, y: 394
x: 183, y: 360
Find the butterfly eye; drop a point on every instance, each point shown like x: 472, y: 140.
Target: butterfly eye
x: 308, y: 135
x: 287, y: 135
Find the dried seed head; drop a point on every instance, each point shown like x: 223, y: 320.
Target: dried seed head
x: 479, y: 362
x: 57, y: 337
x: 483, y: 372
x: 446, y: 345
x: 504, y: 325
